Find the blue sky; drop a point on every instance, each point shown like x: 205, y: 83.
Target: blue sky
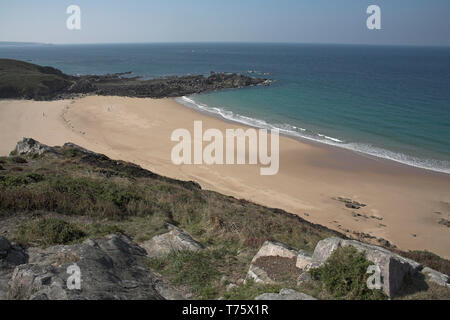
x: 410, y: 22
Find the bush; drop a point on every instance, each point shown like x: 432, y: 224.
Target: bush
x: 49, y: 231
x: 344, y: 276
x: 16, y: 180
x: 18, y: 159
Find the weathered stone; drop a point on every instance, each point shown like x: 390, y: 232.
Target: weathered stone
x: 275, y: 249
x: 393, y: 267
x: 437, y: 277
x: 258, y: 275
x: 111, y: 268
x: 31, y: 146
x: 174, y: 240
x: 5, y: 245
x: 325, y: 248
x: 285, y: 294
x: 304, y: 260
x: 304, y: 278
x: 167, y: 292
x: 11, y: 255
x: 275, y: 260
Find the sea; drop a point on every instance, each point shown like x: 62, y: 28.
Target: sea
x: 391, y: 102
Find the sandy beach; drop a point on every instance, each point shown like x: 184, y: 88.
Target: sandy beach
x: 404, y: 205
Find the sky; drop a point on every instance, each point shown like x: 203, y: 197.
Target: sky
x: 403, y: 22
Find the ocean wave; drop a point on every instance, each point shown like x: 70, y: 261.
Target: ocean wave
x: 297, y: 132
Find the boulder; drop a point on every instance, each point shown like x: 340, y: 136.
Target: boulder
x: 275, y: 260
x: 437, y: 277
x: 285, y: 294
x: 259, y: 275
x: 110, y: 268
x: 174, y: 240
x: 11, y: 255
x: 305, y: 277
x: 5, y: 245
x: 393, y: 267
x: 275, y: 249
x: 304, y: 260
x: 31, y: 146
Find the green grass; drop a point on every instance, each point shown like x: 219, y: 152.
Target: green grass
x: 49, y: 231
x: 197, y: 270
x: 15, y: 180
x: 344, y: 276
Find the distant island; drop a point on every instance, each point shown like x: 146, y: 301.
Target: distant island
x: 15, y: 43
x: 23, y: 80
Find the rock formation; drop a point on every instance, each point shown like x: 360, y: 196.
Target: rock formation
x: 174, y: 240
x: 46, y: 83
x: 393, y: 267
x: 110, y: 268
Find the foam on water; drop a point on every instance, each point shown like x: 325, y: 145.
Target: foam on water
x: 294, y: 131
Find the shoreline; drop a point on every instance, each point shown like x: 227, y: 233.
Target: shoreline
x: 302, y: 138
x: 404, y: 203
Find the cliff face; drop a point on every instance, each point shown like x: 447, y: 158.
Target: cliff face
x: 22, y: 80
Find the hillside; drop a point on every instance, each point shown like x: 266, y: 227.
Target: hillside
x: 19, y: 79
x: 23, y: 80
x: 67, y: 195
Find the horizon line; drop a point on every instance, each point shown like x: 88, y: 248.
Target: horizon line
x: 228, y: 42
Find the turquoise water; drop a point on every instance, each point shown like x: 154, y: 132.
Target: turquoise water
x: 391, y: 102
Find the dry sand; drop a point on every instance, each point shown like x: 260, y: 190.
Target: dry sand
x: 407, y: 202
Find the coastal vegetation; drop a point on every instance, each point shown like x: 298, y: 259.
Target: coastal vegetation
x: 68, y: 194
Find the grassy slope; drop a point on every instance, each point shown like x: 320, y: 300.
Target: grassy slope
x: 22, y: 79
x: 48, y: 199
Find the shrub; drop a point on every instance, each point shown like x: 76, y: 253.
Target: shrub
x: 18, y: 159
x: 49, y: 231
x: 16, y: 180
x: 344, y: 275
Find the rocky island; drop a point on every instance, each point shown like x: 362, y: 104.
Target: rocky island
x: 23, y: 80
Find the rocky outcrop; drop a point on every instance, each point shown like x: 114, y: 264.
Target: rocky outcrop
x: 437, y: 277
x: 46, y: 83
x: 31, y: 146
x: 285, y: 294
x: 393, y: 267
x: 11, y: 255
x: 174, y: 240
x: 275, y: 260
x: 110, y: 268
x: 174, y: 86
x: 304, y: 260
